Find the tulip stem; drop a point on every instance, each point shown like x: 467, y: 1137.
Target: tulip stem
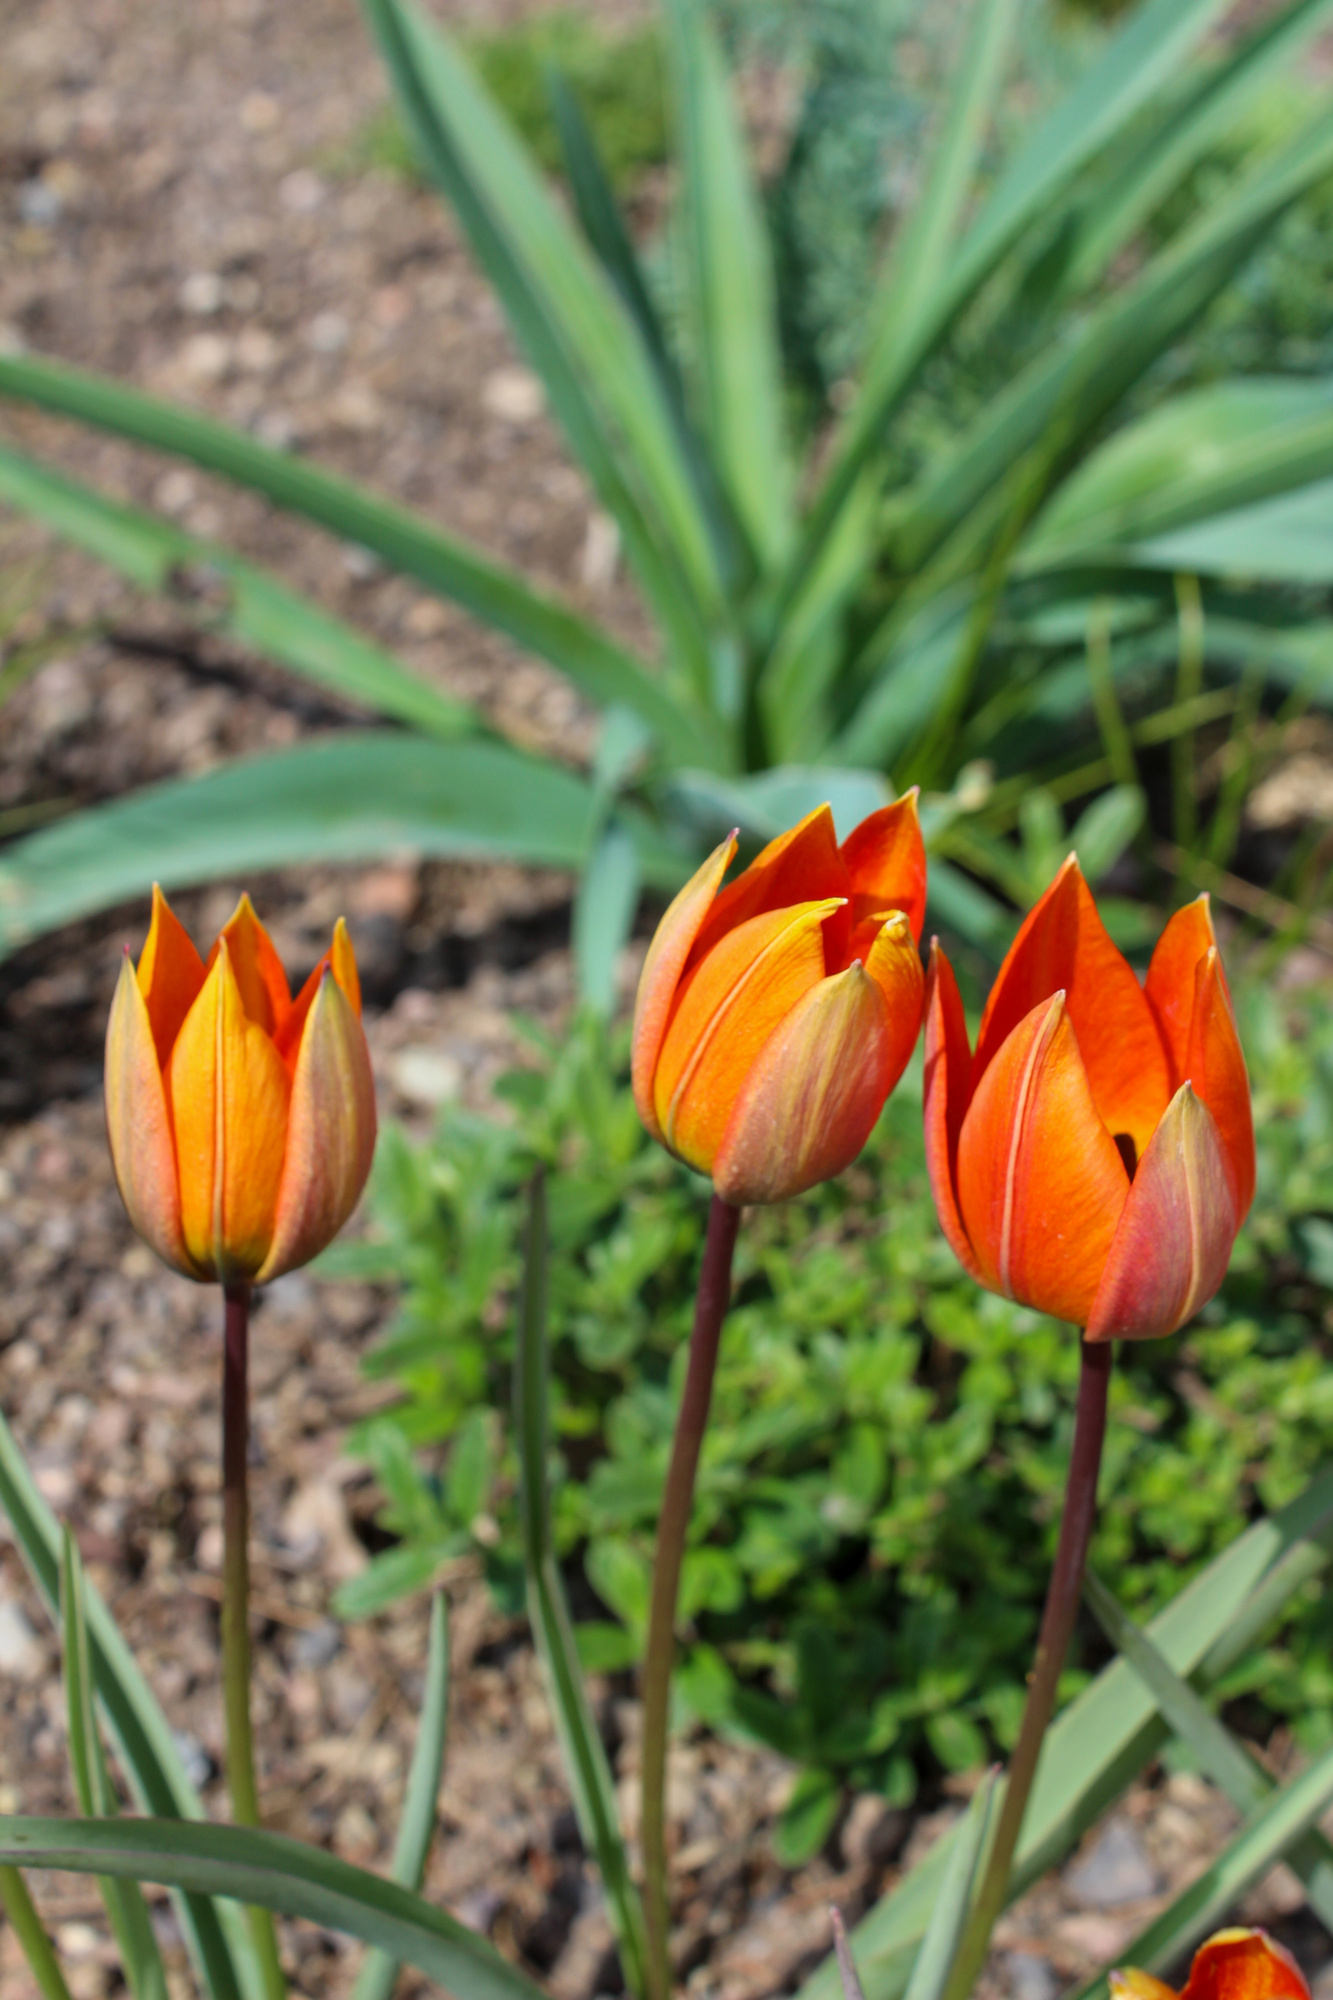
x: 710, y: 1309
x: 1057, y: 1626
x: 236, y: 1605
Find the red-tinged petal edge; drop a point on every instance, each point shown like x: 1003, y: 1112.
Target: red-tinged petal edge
x: 138, y: 1125
x: 1244, y: 1965
x: 802, y: 865
x: 256, y: 968
x: 810, y: 1101
x: 1215, y: 1065
x: 885, y: 857
x: 1171, y: 1250
x: 947, y: 1077
x: 330, y: 1133
x: 170, y: 974
x: 894, y: 964
x: 662, y: 968
x: 1169, y: 987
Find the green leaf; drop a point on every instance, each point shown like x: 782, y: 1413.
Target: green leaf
x: 392, y: 1575
x: 347, y: 797
x: 278, y: 1874
x: 1266, y: 1837
x: 604, y: 911
x: 407, y: 541
x: 218, y: 590
x: 567, y: 316
x: 125, y: 1906
x: 19, y: 1908
x: 956, y: 1741
x: 1285, y: 541
x: 1105, y: 830
x: 729, y: 286
x: 416, y: 1829
x: 939, y: 1946
x: 216, y: 1935
x: 586, y: 1764
x: 1220, y: 1757
x: 806, y: 1821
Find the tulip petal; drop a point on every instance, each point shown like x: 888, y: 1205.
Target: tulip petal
x: 812, y: 1095
x: 1041, y: 1184
x: 728, y: 1007
x: 228, y: 1090
x: 1171, y: 1250
x: 170, y: 974
x: 1063, y: 946
x: 138, y: 1125
x: 894, y: 964
x: 1244, y: 1965
x: 330, y: 1132
x: 1215, y: 1065
x: 1128, y: 1983
x: 947, y: 1076
x: 661, y: 973
x: 340, y: 959
x: 885, y: 857
x: 1170, y: 983
x: 800, y: 866
x: 256, y: 967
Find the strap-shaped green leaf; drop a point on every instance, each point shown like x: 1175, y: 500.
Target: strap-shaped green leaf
x: 347, y: 797
x: 215, y: 1934
x: 585, y: 1757
x: 217, y: 589
x: 279, y: 1874
x: 733, y: 343
x: 18, y: 1906
x: 939, y: 1947
x: 406, y: 541
x: 416, y: 1829
x: 125, y: 1906
x: 569, y: 319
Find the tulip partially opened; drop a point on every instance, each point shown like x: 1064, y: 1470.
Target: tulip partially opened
x: 1095, y: 1158
x: 241, y: 1121
x: 1230, y: 1965
x: 775, y: 1016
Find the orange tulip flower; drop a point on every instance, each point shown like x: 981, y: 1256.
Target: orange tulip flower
x: 1231, y: 1965
x: 241, y: 1121
x: 1095, y: 1158
x: 775, y: 1016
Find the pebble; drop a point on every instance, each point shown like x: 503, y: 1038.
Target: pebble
x: 1030, y: 1977
x: 20, y: 1654
x: 515, y: 395
x: 1115, y: 1870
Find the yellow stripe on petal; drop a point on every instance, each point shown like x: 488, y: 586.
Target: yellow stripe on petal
x: 662, y: 968
x: 257, y: 969
x: 138, y: 1124
x: 812, y: 1097
x: 343, y: 959
x: 330, y: 1133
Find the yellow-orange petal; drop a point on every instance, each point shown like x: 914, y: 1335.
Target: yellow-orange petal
x: 1063, y: 947
x: 330, y: 1132
x: 1174, y: 1240
x: 662, y: 969
x: 1244, y: 1965
x: 1215, y: 1065
x: 894, y: 964
x: 948, y: 1070
x: 802, y: 865
x: 170, y: 974
x: 256, y: 967
x: 812, y: 1095
x: 138, y: 1124
x: 1169, y: 987
x: 728, y: 1007
x: 1128, y: 1983
x: 340, y: 959
x: 1041, y: 1184
x: 885, y: 857
x: 228, y: 1091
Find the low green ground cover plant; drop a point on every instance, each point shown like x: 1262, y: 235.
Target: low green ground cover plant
x: 882, y: 1474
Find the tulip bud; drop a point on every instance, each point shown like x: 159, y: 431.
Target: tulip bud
x: 1095, y: 1158
x: 241, y: 1121
x: 1230, y: 1965
x: 775, y: 1016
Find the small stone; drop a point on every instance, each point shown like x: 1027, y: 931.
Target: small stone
x: 206, y: 357
x: 20, y: 1655
x: 39, y: 204
x: 513, y: 394
x: 260, y: 112
x: 201, y: 293
x: 328, y: 332
x: 1030, y: 1977
x: 302, y: 192
x: 425, y: 1076
x: 318, y: 1645
x: 1116, y: 1870
x: 198, y: 1764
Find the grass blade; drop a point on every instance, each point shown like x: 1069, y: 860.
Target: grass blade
x: 585, y: 1757
x: 604, y: 911
x: 280, y: 1874
x: 214, y: 1933
x: 416, y: 1829
x: 939, y: 1946
x: 350, y: 796
x: 1220, y: 1756
x: 729, y: 286
x: 1266, y: 1837
x: 35, y: 1945
x: 254, y: 607
x: 125, y: 1907
x: 406, y: 541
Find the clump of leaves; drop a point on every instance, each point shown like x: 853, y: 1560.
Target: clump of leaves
x: 881, y: 1478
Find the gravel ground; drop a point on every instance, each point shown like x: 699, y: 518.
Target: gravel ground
x: 176, y: 207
